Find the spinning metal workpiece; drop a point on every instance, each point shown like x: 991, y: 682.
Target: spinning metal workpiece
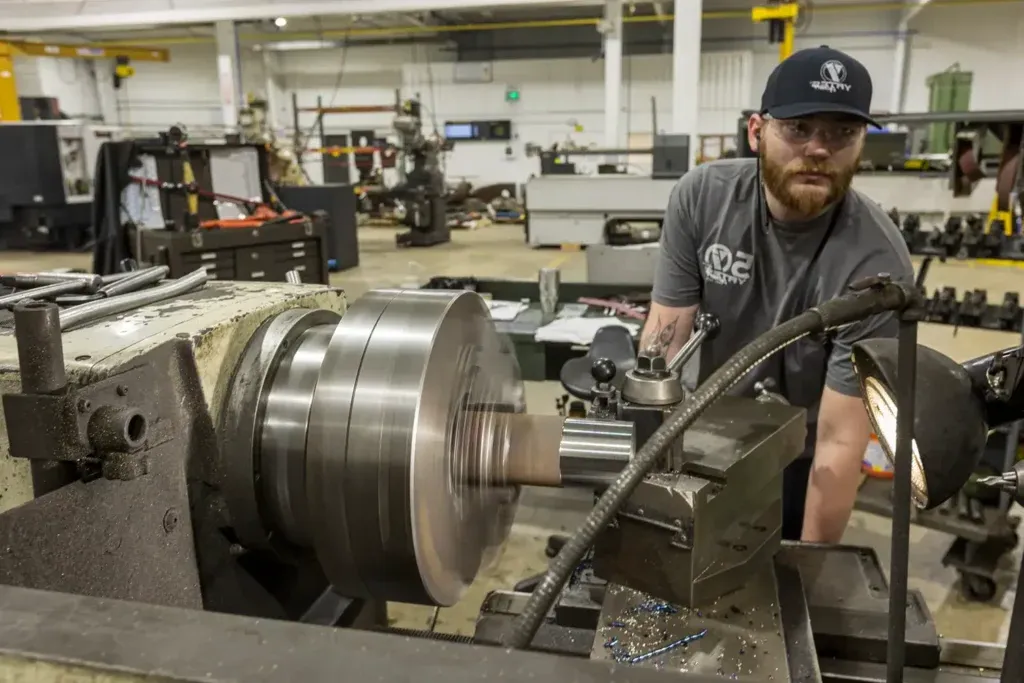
x: 367, y: 439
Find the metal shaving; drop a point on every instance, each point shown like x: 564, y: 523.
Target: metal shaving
x: 655, y: 607
x: 626, y: 658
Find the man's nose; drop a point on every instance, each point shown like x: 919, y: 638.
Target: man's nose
x: 817, y: 149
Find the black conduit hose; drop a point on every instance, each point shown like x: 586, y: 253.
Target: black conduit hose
x: 873, y: 296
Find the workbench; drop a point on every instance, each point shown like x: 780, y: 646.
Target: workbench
x: 540, y: 361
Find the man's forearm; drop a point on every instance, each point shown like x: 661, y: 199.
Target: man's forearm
x: 666, y: 330
x: 832, y: 489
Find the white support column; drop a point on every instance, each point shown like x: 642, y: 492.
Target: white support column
x: 900, y: 67
x: 686, y: 37
x: 612, y: 29
x: 270, y: 78
x: 229, y: 73
x: 901, y: 58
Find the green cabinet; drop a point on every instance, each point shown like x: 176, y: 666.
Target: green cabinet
x: 948, y: 91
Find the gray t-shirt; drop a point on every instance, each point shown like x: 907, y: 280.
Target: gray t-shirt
x: 719, y: 249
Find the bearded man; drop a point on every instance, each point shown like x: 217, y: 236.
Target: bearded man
x: 757, y: 241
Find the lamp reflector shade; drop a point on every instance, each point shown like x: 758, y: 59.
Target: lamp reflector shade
x: 949, y: 421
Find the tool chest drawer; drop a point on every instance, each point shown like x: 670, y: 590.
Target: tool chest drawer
x: 262, y: 254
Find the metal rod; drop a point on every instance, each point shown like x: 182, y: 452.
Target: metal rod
x: 906, y: 380
x: 689, y: 348
x: 135, y: 281
x: 44, y: 292
x: 30, y: 280
x: 80, y: 315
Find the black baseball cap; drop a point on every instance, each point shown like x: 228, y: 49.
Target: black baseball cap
x: 818, y: 80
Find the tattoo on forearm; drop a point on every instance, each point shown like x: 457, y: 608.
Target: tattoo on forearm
x: 659, y: 338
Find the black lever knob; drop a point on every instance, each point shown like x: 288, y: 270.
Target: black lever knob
x: 707, y: 323
x: 603, y: 370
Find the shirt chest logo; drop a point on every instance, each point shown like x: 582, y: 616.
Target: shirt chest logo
x: 725, y: 267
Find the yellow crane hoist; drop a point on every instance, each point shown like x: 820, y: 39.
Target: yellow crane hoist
x: 10, y: 109
x: 781, y: 18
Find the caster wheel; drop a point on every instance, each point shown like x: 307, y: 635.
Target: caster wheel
x: 977, y: 588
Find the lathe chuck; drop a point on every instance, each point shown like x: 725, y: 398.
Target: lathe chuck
x: 365, y: 440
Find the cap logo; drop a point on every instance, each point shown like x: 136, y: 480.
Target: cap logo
x: 833, y: 77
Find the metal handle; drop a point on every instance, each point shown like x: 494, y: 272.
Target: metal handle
x: 705, y: 327
x: 689, y: 348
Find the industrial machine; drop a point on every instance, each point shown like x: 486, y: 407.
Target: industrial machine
x: 260, y: 454
x: 571, y: 208
x: 419, y: 197
x: 46, y: 186
x: 421, y: 184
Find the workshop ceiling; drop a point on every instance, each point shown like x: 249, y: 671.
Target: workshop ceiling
x: 25, y: 16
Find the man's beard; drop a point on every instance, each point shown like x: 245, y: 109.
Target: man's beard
x: 807, y: 200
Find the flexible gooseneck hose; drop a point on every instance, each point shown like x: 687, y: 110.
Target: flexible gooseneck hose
x: 875, y: 297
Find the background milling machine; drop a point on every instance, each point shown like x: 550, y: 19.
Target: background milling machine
x: 230, y: 483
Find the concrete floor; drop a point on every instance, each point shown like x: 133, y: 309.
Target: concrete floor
x: 500, y: 251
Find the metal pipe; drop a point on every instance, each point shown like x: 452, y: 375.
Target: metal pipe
x: 44, y: 292
x: 30, y: 280
x: 86, y: 313
x: 996, y: 116
x: 136, y: 280
x: 906, y: 378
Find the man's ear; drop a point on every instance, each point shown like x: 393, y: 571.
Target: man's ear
x: 754, y: 125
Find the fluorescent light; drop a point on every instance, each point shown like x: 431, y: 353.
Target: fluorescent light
x: 293, y: 45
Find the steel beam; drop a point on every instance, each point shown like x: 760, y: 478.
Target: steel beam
x: 87, y: 51
x: 98, y: 18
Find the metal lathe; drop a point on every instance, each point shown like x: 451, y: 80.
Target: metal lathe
x: 230, y: 484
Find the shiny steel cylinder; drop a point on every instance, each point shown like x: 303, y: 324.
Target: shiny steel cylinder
x: 283, y: 440
x: 356, y: 438
x: 593, y: 452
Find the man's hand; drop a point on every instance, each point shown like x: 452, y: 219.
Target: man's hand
x: 843, y: 433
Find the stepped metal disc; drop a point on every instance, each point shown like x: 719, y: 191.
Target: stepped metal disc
x: 414, y: 393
